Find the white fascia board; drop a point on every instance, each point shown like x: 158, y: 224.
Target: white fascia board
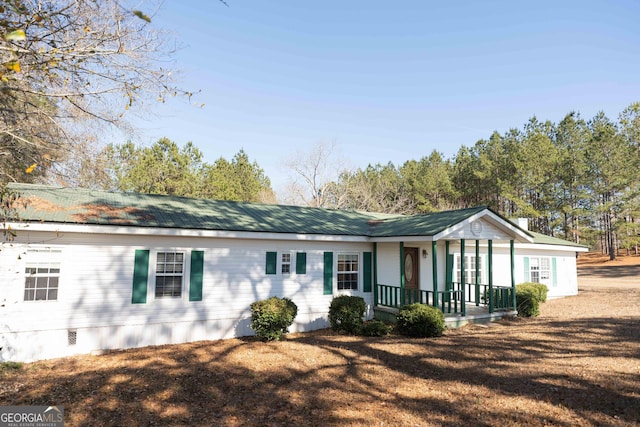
x: 539, y: 246
x: 395, y: 239
x: 519, y: 235
x: 547, y: 247
x: 177, y: 232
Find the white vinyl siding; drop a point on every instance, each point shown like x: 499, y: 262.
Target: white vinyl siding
x: 96, y: 302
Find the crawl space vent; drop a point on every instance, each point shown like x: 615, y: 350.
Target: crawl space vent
x: 71, y: 336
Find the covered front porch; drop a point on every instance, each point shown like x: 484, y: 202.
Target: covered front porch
x: 459, y: 300
x: 454, y: 270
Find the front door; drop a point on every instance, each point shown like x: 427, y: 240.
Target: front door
x: 411, y: 261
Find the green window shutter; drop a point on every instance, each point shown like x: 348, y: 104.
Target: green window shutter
x: 366, y: 271
x: 527, y: 275
x: 272, y: 262
x: 301, y: 263
x: 328, y: 273
x: 554, y: 271
x: 195, y: 276
x: 140, y: 277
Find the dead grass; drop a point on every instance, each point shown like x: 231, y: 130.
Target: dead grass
x: 576, y: 364
x: 591, y: 259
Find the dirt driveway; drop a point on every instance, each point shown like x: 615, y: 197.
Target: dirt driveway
x: 606, y: 289
x: 609, y: 275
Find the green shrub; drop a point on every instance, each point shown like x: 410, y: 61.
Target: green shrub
x: 6, y: 367
x: 271, y: 318
x: 538, y: 288
x: 420, y: 320
x: 528, y: 298
x: 346, y: 313
x: 375, y: 328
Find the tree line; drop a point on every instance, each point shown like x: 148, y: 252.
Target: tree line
x: 166, y: 168
x: 576, y: 179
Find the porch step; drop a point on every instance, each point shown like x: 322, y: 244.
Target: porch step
x: 476, y: 315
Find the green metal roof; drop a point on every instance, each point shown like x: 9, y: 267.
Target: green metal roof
x: 97, y: 207
x: 84, y: 206
x: 424, y: 224
x: 543, y: 239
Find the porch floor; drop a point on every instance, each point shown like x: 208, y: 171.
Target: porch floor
x: 474, y: 314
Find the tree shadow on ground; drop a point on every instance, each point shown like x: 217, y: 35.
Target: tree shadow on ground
x: 611, y: 271
x: 531, y: 372
x: 548, y: 367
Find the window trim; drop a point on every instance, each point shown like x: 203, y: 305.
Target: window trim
x: 468, y: 269
x: 549, y: 270
x: 186, y: 269
x: 50, y: 256
x: 289, y: 263
x: 357, y: 271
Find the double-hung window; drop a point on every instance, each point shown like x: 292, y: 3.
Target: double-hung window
x: 470, y: 263
x: 169, y: 274
x: 42, y: 274
x: 285, y: 263
x: 540, y: 270
x: 347, y: 271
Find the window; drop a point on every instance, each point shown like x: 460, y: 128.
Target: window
x: 470, y: 262
x: 540, y: 270
x: 169, y: 274
x: 286, y: 263
x: 42, y: 274
x: 347, y: 271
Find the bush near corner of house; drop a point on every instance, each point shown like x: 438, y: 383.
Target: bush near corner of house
x: 420, y: 320
x: 7, y: 367
x: 375, y: 328
x: 528, y: 298
x: 271, y: 318
x: 346, y: 313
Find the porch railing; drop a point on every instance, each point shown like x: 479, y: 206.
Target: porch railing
x: 451, y: 301
x: 479, y: 295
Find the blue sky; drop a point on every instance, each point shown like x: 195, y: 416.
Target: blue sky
x: 389, y: 80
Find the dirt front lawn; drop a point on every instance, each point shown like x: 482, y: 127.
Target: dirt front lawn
x: 576, y: 364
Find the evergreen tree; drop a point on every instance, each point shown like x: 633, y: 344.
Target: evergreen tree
x: 609, y: 163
